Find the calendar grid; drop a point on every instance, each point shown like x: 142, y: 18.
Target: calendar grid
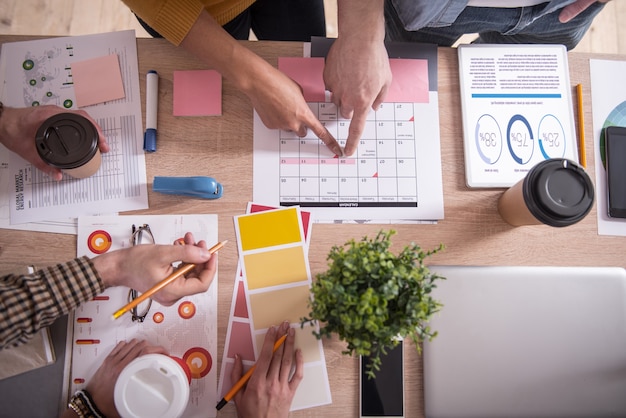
x: 383, y: 173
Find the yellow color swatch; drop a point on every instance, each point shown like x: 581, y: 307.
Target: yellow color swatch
x: 274, y: 268
x: 272, y: 308
x: 305, y: 341
x: 268, y: 229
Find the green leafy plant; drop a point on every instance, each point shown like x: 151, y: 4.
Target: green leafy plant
x: 370, y: 297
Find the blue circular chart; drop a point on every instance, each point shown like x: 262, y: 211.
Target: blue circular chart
x: 488, y: 139
x: 551, y: 137
x: 617, y: 117
x: 520, y: 140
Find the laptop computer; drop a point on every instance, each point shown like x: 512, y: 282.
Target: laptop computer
x: 527, y: 342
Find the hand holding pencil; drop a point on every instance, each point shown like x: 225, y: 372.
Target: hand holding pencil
x: 268, y: 389
x: 142, y: 267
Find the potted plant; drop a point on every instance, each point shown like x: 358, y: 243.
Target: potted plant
x: 369, y: 297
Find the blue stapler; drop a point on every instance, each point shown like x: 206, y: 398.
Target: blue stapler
x: 199, y: 186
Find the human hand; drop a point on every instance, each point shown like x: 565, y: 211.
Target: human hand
x: 269, y: 391
x: 571, y: 11
x: 280, y: 104
x: 357, y: 70
x: 277, y: 99
x: 102, y: 384
x: 142, y: 266
x: 18, y: 127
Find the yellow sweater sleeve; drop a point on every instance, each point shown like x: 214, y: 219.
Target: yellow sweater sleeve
x: 174, y: 18
x: 171, y: 18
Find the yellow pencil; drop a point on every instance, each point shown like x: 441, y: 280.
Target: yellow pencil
x: 184, y: 269
x: 244, y: 379
x: 582, y: 152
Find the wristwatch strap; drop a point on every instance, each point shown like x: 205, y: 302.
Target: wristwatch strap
x: 84, y: 406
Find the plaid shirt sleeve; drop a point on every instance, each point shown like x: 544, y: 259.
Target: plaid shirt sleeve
x: 33, y: 301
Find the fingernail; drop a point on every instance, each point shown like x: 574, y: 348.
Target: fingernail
x: 292, y: 332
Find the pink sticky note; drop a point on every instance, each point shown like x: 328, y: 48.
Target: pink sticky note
x: 308, y: 72
x: 97, y: 80
x: 410, y: 81
x: 197, y: 93
x: 409, y: 84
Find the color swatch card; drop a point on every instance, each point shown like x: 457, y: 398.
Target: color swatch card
x: 187, y: 329
x: 277, y: 279
x: 239, y: 333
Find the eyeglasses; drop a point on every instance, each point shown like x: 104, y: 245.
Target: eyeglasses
x: 140, y: 235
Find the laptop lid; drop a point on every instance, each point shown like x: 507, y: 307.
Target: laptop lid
x: 527, y: 342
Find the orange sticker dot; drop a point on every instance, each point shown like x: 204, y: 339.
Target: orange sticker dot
x: 158, y: 317
x: 186, y: 310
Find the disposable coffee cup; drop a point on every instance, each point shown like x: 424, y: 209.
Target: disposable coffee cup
x: 153, y: 386
x: 69, y: 142
x: 556, y: 192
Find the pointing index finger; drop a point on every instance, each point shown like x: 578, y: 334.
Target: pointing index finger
x: 357, y: 124
x: 324, y: 135
x: 327, y: 138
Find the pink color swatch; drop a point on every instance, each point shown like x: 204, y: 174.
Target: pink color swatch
x: 241, y: 341
x: 241, y: 309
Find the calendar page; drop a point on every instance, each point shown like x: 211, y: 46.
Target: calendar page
x: 394, y: 175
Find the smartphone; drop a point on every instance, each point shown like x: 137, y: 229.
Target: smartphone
x: 615, y: 149
x: 383, y: 395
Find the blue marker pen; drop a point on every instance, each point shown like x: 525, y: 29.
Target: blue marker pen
x: 152, y: 102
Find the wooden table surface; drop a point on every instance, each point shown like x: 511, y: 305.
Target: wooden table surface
x: 221, y: 146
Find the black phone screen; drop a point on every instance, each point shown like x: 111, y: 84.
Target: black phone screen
x: 615, y: 147
x: 383, y: 396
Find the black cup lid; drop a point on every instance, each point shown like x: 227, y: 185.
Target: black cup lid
x: 558, y: 192
x: 66, y: 140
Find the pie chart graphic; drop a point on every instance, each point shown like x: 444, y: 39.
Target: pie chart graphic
x: 617, y: 117
x: 488, y: 137
x: 186, y: 310
x: 99, y: 242
x: 199, y: 361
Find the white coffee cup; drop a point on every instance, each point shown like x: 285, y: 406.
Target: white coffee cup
x: 152, y: 386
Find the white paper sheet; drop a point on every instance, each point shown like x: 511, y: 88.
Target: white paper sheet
x: 608, y: 101
x: 40, y: 71
x: 187, y: 329
x: 295, y: 171
x: 517, y: 110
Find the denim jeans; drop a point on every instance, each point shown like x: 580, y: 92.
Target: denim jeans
x: 274, y: 20
x: 537, y: 24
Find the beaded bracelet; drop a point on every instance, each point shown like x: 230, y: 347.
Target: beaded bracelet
x: 84, y: 406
